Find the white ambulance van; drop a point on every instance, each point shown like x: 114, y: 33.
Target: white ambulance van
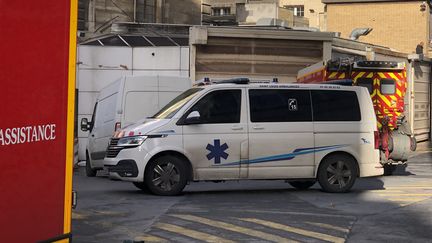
x: 122, y: 103
x: 237, y: 130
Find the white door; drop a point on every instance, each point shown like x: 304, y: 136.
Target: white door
x: 281, y: 139
x: 216, y: 143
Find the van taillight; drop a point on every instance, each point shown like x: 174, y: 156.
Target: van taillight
x: 376, y: 139
x: 117, y: 126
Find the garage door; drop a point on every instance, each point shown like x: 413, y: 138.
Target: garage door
x: 422, y: 100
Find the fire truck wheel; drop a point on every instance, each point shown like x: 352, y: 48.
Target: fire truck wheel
x: 301, y: 185
x: 166, y: 175
x: 89, y: 171
x: 337, y: 173
x: 389, y: 169
x: 142, y: 186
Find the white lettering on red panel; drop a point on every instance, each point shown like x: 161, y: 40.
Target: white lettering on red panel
x: 28, y: 134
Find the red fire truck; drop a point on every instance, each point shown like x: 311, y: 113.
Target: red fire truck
x: 37, y: 66
x: 387, y: 85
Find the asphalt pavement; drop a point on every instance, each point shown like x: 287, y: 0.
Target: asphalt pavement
x: 394, y: 208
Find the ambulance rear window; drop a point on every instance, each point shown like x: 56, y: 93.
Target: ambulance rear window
x: 366, y: 82
x: 388, y: 86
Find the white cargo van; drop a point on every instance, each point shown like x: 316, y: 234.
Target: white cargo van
x: 122, y: 103
x: 235, y: 130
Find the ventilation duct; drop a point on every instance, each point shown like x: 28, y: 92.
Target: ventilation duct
x: 357, y: 32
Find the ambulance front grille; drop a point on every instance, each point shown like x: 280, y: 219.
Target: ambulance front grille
x: 113, y: 150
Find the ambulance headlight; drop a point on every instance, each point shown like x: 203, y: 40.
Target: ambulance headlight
x: 131, y: 141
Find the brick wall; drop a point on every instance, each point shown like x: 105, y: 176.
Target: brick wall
x: 398, y: 25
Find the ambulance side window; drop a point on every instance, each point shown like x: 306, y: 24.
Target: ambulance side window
x: 388, y: 86
x: 221, y: 106
x: 280, y: 105
x: 366, y: 82
x: 332, y: 105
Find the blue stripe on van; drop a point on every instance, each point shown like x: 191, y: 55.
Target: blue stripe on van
x: 289, y: 156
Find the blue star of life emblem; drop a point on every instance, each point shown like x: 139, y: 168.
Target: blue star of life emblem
x: 217, y: 151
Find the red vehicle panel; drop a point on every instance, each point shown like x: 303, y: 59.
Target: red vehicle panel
x: 36, y: 126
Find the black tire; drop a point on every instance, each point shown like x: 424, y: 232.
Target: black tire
x: 142, y: 186
x: 301, y: 185
x: 166, y: 175
x: 337, y: 173
x: 389, y: 169
x: 89, y: 171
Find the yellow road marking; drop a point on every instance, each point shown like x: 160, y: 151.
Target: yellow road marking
x: 409, y: 187
x: 295, y: 230
x: 149, y: 238
x: 78, y: 215
x: 329, y: 226
x: 191, y: 233
x: 235, y: 228
x: 385, y: 191
x: 407, y: 199
x: 407, y: 194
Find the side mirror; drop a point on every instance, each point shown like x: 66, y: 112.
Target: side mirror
x: 85, y: 125
x: 193, y: 118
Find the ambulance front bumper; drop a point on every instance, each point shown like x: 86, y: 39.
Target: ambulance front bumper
x: 128, y: 165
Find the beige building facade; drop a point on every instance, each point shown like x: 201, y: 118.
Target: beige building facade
x: 400, y: 25
x: 313, y: 10
x: 252, y: 12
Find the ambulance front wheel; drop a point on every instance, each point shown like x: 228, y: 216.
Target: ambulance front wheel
x: 90, y: 172
x: 166, y: 175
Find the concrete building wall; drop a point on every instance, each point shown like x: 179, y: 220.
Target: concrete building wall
x: 313, y: 10
x: 251, y: 13
x: 182, y: 12
x: 99, y: 14
x: 398, y: 25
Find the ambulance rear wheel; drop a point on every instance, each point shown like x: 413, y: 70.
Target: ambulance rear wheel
x: 89, y: 171
x: 166, y: 175
x: 301, y: 185
x: 337, y: 173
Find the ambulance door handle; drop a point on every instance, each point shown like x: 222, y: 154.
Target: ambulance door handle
x: 236, y: 128
x: 258, y: 127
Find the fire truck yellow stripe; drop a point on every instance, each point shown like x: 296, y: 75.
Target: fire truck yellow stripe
x: 383, y: 98
x: 332, y: 75
x: 399, y: 93
x: 70, y: 117
x: 341, y: 76
x: 382, y: 75
x: 359, y: 75
x: 370, y: 75
x: 393, y: 76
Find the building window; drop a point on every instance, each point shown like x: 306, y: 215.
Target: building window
x: 297, y: 9
x: 221, y: 11
x: 83, y: 11
x: 145, y: 11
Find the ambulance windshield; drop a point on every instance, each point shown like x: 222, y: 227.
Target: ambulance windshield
x: 176, y: 104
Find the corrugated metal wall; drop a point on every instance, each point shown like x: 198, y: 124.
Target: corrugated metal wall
x: 422, y: 99
x: 255, y: 58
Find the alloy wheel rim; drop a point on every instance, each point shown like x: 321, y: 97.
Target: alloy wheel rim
x: 165, y: 176
x: 338, y: 174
